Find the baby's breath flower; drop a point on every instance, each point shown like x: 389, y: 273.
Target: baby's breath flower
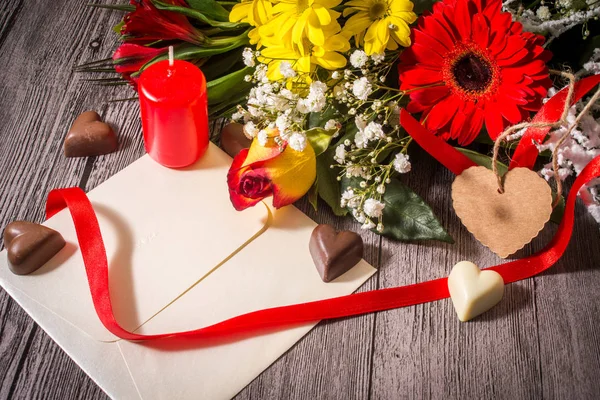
x: 361, y: 88
x: 331, y: 125
x: 359, y: 216
x: 262, y: 137
x: 286, y: 70
x: 368, y: 225
x: 401, y: 163
x: 248, y: 56
x: 373, y: 131
x: 358, y: 59
x: 378, y: 58
x: 297, y: 141
x: 373, y: 208
x: 565, y: 3
x: 340, y: 154
x: 250, y: 129
x: 543, y: 13
x: 360, y: 122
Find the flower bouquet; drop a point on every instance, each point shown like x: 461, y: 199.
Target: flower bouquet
x: 319, y: 84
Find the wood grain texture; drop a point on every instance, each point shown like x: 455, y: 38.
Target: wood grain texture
x: 39, y: 98
x: 8, y: 12
x: 541, y: 341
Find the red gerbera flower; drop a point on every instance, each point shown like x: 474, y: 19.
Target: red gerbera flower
x: 474, y: 64
x: 147, y: 24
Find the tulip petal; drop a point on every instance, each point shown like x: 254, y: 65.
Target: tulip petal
x: 292, y: 174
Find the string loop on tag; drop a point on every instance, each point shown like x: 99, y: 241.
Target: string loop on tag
x: 552, y: 125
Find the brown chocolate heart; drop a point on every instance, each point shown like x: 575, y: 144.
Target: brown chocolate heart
x: 89, y: 136
x: 334, y: 253
x: 233, y: 139
x: 30, y: 246
x: 504, y: 222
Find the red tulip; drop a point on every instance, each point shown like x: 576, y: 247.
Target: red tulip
x: 263, y: 171
x: 147, y: 24
x: 130, y: 58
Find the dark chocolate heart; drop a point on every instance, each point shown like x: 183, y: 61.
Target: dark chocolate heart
x: 30, y: 246
x: 89, y: 136
x: 334, y: 253
x: 233, y: 139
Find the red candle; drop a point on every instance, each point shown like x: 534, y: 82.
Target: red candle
x: 174, y: 112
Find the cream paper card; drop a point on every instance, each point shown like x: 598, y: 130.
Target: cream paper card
x: 268, y: 265
x: 275, y: 270
x: 164, y: 230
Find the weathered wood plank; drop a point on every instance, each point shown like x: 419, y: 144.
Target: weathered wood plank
x: 39, y: 99
x: 567, y: 302
x: 8, y: 12
x: 424, y: 351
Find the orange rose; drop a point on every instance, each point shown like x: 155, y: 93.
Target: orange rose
x: 263, y: 171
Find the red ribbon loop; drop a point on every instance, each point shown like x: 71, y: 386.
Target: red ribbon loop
x: 526, y: 153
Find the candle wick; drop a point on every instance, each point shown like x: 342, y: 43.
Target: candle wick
x: 171, y: 56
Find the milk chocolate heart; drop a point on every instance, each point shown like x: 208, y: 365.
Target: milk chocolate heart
x: 89, y: 136
x: 233, y: 139
x: 30, y: 246
x: 504, y: 222
x: 334, y: 253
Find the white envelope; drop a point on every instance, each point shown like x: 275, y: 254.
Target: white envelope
x: 180, y: 257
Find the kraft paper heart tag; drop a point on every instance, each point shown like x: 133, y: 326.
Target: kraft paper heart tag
x: 503, y: 222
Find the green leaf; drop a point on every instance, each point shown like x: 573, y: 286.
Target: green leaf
x: 319, y: 139
x: 228, y: 86
x: 210, y: 8
x: 190, y: 52
x: 313, y: 196
x: 328, y: 186
x: 486, y: 161
x: 483, y: 160
x: 208, y: 19
x: 407, y: 217
x: 220, y: 64
x: 318, y: 120
x: 559, y: 210
x: 118, y: 27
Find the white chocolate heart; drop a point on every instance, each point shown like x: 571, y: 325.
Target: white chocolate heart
x: 473, y: 291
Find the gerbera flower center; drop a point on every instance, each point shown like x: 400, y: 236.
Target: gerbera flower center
x: 472, y: 72
x: 378, y: 10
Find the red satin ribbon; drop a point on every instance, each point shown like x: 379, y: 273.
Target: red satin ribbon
x: 526, y: 153
x: 96, y: 264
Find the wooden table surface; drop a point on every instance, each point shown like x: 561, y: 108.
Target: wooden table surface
x: 541, y: 341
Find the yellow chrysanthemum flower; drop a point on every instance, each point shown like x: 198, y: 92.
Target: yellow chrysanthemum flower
x: 305, y: 57
x: 380, y: 24
x: 296, y: 19
x: 254, y: 12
